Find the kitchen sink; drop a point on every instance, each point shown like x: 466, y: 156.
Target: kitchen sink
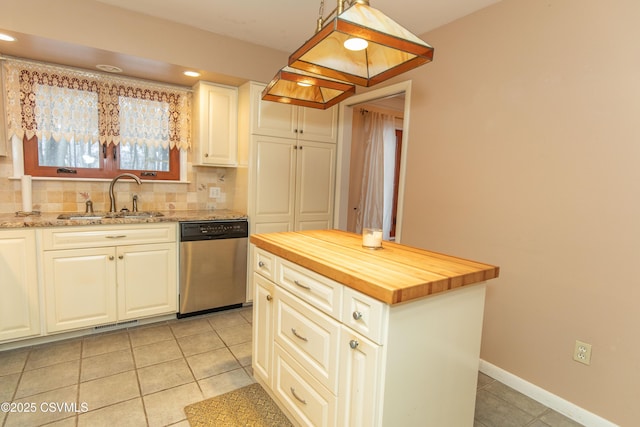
x: 88, y: 216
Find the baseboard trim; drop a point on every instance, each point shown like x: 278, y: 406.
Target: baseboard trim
x: 548, y: 399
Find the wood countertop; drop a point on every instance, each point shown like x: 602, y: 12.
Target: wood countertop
x: 394, y: 274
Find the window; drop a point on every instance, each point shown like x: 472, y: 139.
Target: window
x: 77, y: 124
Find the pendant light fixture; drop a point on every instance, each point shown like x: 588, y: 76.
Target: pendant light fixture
x: 383, y: 48
x: 298, y: 87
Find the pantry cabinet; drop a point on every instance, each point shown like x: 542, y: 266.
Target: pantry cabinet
x: 215, y: 125
x: 19, y: 306
x: 107, y: 274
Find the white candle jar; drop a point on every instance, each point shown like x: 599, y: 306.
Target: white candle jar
x: 372, y: 238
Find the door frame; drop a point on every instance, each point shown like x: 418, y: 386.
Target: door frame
x: 343, y: 161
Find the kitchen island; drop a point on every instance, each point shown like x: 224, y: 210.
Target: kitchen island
x: 345, y: 335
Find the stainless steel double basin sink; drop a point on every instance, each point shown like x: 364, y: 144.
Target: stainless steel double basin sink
x: 88, y: 216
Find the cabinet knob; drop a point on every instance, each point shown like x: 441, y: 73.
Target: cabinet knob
x: 301, y: 130
x: 357, y: 315
x: 260, y: 264
x: 120, y: 256
x: 295, y: 131
x: 111, y: 258
x: 269, y: 297
x: 206, y: 154
x: 353, y: 344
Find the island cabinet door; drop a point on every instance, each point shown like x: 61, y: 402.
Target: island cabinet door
x: 262, y: 328
x: 360, y: 376
x: 79, y: 288
x: 147, y: 280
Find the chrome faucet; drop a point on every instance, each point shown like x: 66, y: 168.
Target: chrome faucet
x: 112, y: 197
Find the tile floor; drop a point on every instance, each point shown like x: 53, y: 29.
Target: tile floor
x: 145, y: 376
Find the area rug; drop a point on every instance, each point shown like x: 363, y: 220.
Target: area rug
x: 247, y: 406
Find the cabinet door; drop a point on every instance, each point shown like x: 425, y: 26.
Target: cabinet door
x: 360, y: 371
x: 262, y: 327
x: 318, y: 125
x: 216, y: 125
x: 315, y: 185
x: 147, y: 280
x: 272, y: 118
x: 274, y: 189
x: 19, y: 308
x: 79, y: 288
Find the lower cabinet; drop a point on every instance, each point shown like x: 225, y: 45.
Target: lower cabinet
x: 90, y: 281
x: 19, y: 305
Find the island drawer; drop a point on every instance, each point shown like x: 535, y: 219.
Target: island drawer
x: 319, y: 291
x: 106, y: 235
x: 309, y: 402
x: 309, y: 336
x: 365, y: 315
x: 264, y: 263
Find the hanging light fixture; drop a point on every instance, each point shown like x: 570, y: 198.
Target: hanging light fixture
x: 298, y: 87
x: 360, y: 45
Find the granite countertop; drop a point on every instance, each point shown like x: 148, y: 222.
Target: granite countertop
x: 394, y: 274
x: 50, y: 219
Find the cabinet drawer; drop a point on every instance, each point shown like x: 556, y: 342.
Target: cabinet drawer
x: 264, y: 263
x: 319, y: 291
x: 309, y: 336
x: 107, y: 235
x: 306, y: 399
x: 365, y: 315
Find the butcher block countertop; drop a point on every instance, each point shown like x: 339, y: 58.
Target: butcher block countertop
x: 394, y: 274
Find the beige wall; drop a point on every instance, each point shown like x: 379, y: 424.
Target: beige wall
x: 524, y: 152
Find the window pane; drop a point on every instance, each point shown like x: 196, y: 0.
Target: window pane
x: 68, y: 154
x: 144, y: 157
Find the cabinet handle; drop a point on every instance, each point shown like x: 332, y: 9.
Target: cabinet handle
x: 357, y: 315
x: 298, y: 335
x: 301, y: 131
x: 293, y: 391
x: 295, y: 131
x: 120, y: 256
x: 119, y: 236
x: 260, y: 264
x: 354, y: 344
x: 206, y: 154
x: 301, y: 285
x: 111, y: 258
x: 269, y: 297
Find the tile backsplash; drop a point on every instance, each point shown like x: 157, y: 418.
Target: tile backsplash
x: 71, y: 196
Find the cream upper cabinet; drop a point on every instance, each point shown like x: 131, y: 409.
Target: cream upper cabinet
x: 215, y: 125
x: 19, y: 306
x: 106, y: 274
x: 3, y: 124
x: 290, y: 121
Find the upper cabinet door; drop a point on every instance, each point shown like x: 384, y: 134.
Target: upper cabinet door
x: 318, y: 125
x: 215, y: 131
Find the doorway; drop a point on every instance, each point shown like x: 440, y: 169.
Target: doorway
x: 394, y: 100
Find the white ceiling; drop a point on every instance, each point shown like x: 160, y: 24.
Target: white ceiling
x: 286, y: 24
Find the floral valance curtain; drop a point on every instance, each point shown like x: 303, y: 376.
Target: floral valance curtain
x: 69, y: 104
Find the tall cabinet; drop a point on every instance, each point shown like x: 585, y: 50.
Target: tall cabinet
x: 291, y: 161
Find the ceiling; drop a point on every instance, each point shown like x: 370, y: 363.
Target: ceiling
x: 286, y: 24
x: 278, y: 24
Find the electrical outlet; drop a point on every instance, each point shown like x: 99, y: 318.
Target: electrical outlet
x: 582, y: 352
x: 214, y: 192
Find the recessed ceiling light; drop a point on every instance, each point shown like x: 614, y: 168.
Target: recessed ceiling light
x: 7, y: 38
x: 109, y: 68
x: 192, y: 73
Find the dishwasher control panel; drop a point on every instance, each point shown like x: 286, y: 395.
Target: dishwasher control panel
x: 213, y: 230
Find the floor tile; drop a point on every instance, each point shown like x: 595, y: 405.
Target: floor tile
x: 235, y: 334
x: 242, y: 352
x: 167, y: 407
x: 48, y: 378
x: 124, y: 414
x: 247, y: 313
x: 12, y: 361
x: 158, y: 352
x: 517, y: 399
x: 164, y: 375
x: 190, y: 327
x: 149, y: 335
x: 484, y: 379
x: 492, y: 411
x: 223, y: 383
x: 109, y: 390
x: 555, y: 419
x: 67, y: 422
x: 105, y: 343
x: 200, y: 343
x: 226, y: 320
x: 106, y: 364
x: 8, y: 386
x: 51, y: 354
x: 39, y: 417
x: 212, y: 363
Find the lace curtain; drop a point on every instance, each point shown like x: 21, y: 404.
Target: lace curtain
x: 70, y: 105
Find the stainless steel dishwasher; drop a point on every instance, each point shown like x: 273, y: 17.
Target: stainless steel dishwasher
x: 213, y: 265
